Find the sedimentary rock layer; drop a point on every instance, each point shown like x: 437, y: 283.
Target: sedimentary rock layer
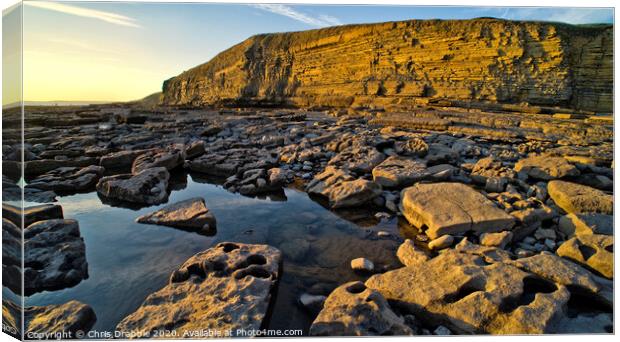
x: 410, y: 62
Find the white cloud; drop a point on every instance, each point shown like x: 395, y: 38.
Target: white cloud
x: 287, y: 11
x: 109, y: 17
x: 330, y: 20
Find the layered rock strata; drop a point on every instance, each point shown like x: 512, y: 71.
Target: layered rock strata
x: 479, y: 60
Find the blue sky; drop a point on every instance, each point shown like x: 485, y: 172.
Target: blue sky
x: 123, y: 51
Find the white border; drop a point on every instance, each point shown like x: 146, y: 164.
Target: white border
x: 488, y: 3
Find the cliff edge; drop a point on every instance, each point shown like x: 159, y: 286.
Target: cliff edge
x: 408, y: 62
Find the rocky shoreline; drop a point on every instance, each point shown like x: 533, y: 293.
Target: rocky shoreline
x: 511, y: 214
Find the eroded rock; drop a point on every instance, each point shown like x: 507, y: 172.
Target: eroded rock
x: 55, y: 255
x: 470, y: 290
x: 148, y: 186
x: 411, y: 255
x: 353, y: 309
x: 68, y: 179
x: 593, y: 251
x: 67, y: 318
x: 225, y: 287
x: 191, y: 214
x: 342, y: 189
x: 451, y: 208
x: 546, y: 167
x: 168, y: 158
x: 577, y: 198
x: 584, y: 224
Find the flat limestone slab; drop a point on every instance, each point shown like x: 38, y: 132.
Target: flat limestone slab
x: 398, y: 171
x: 221, y: 289
x: 576, y: 198
x: 452, y: 208
x: 594, y: 251
x: 191, y: 214
x: 546, y: 167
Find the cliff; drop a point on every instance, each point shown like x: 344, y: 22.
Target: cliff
x: 486, y: 60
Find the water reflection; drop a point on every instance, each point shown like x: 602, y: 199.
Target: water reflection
x: 127, y: 261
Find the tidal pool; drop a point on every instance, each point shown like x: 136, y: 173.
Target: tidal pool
x: 127, y: 261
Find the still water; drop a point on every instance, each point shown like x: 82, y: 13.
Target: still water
x: 127, y: 261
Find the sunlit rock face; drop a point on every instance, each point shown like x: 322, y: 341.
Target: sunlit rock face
x: 410, y: 62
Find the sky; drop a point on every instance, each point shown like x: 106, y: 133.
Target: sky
x: 82, y: 51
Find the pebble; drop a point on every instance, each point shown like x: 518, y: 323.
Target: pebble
x: 362, y: 264
x: 381, y: 215
x: 441, y: 330
x: 383, y: 233
x: 522, y: 253
x: 441, y: 242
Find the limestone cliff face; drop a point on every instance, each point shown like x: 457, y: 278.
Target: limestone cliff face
x: 473, y: 60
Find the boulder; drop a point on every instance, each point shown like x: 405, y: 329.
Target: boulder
x: 71, y: 318
x: 353, y: 193
x: 578, y: 199
x: 411, y: 255
x: 362, y: 264
x: 531, y: 216
x: 546, y: 167
x: 358, y: 159
x: 441, y: 154
x: 489, y: 168
x: 499, y: 240
x: 593, y: 251
x: 452, y: 208
x: 191, y: 214
x: 39, y: 167
x: 120, y: 160
x: 342, y: 189
x: 412, y: 147
x: 149, y: 186
x: 68, y: 179
x: 195, y: 149
x: 398, y: 172
x: 169, y: 158
x: 586, y: 224
x: 224, y: 288
x: 54, y: 255
x: 395, y: 172
x: 352, y: 309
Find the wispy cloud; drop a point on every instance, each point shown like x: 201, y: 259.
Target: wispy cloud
x: 109, y: 17
x: 287, y: 11
x: 581, y: 15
